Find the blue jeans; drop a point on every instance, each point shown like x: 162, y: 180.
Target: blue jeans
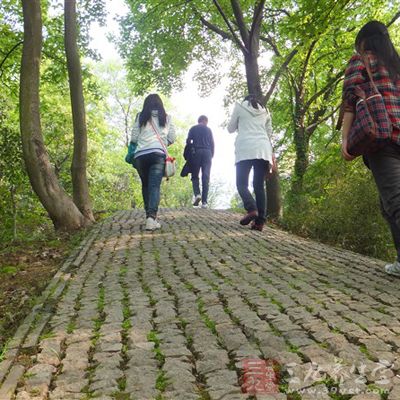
x: 151, y: 171
x: 242, y: 183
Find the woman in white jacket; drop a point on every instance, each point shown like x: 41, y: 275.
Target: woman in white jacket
x: 151, y: 127
x: 253, y: 149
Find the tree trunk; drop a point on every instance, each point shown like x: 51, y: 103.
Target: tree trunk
x: 78, y: 167
x: 61, y: 209
x: 274, y: 199
x: 302, y: 144
x: 253, y: 74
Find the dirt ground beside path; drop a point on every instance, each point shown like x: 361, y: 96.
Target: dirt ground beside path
x: 25, y: 270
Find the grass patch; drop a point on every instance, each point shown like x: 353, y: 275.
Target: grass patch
x: 8, y: 269
x: 71, y: 327
x: 122, y: 384
x: 364, y: 350
x: 159, y: 356
x: 47, y: 335
x: 263, y: 293
x: 209, y: 322
x: 278, y: 304
x: 100, y: 301
x: 189, y: 286
x: 275, y: 331
x: 161, y: 382
x: 183, y: 323
x: 3, y: 350
x: 127, y: 324
x: 121, y: 396
x: 293, y: 349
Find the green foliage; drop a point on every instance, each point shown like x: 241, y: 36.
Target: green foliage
x: 340, y: 206
x: 8, y: 270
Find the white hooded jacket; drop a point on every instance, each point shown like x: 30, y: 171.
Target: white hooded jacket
x: 254, y: 130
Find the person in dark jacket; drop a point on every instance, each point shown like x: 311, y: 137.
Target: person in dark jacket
x: 201, y: 141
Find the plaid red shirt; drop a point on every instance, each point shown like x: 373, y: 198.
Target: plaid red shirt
x: 356, y: 74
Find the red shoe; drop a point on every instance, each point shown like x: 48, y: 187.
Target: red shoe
x: 257, y: 227
x: 250, y: 216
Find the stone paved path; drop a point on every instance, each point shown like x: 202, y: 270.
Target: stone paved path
x: 181, y: 313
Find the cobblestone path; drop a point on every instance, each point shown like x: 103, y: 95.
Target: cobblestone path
x: 185, y: 312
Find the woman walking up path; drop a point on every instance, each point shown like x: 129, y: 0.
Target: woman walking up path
x: 253, y: 149
x: 152, y: 131
x: 374, y: 47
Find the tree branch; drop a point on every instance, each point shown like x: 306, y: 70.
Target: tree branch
x: 277, y: 11
x: 320, y: 112
x: 328, y: 85
x: 8, y: 54
x: 225, y: 18
x: 394, y: 19
x: 271, y: 42
x: 278, y: 75
x: 257, y: 19
x: 307, y: 60
x: 313, y: 125
x: 244, y: 33
x: 216, y: 29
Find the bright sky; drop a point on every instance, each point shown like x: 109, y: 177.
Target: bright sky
x: 188, y: 105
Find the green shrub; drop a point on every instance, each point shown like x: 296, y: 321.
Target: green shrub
x: 340, y: 205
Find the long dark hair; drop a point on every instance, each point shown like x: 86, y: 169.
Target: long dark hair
x: 253, y: 100
x: 151, y: 103
x: 374, y: 37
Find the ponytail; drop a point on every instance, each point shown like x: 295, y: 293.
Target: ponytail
x: 253, y: 100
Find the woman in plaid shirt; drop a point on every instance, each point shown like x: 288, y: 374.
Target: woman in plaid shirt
x: 373, y: 40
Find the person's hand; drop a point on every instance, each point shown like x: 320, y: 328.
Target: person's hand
x: 345, y: 154
x: 274, y: 165
x: 272, y: 168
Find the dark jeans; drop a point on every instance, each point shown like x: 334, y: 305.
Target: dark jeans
x: 242, y: 183
x: 201, y: 160
x: 385, y: 167
x: 151, y: 171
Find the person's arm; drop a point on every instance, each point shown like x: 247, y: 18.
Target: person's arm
x: 234, y: 120
x: 189, y: 138
x: 212, y: 144
x: 268, y: 125
x: 353, y: 76
x: 171, y: 136
x: 135, y: 130
x: 348, y: 119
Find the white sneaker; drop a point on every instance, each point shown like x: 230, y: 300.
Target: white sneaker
x: 196, y: 200
x: 204, y: 205
x: 393, y: 269
x: 152, y: 224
